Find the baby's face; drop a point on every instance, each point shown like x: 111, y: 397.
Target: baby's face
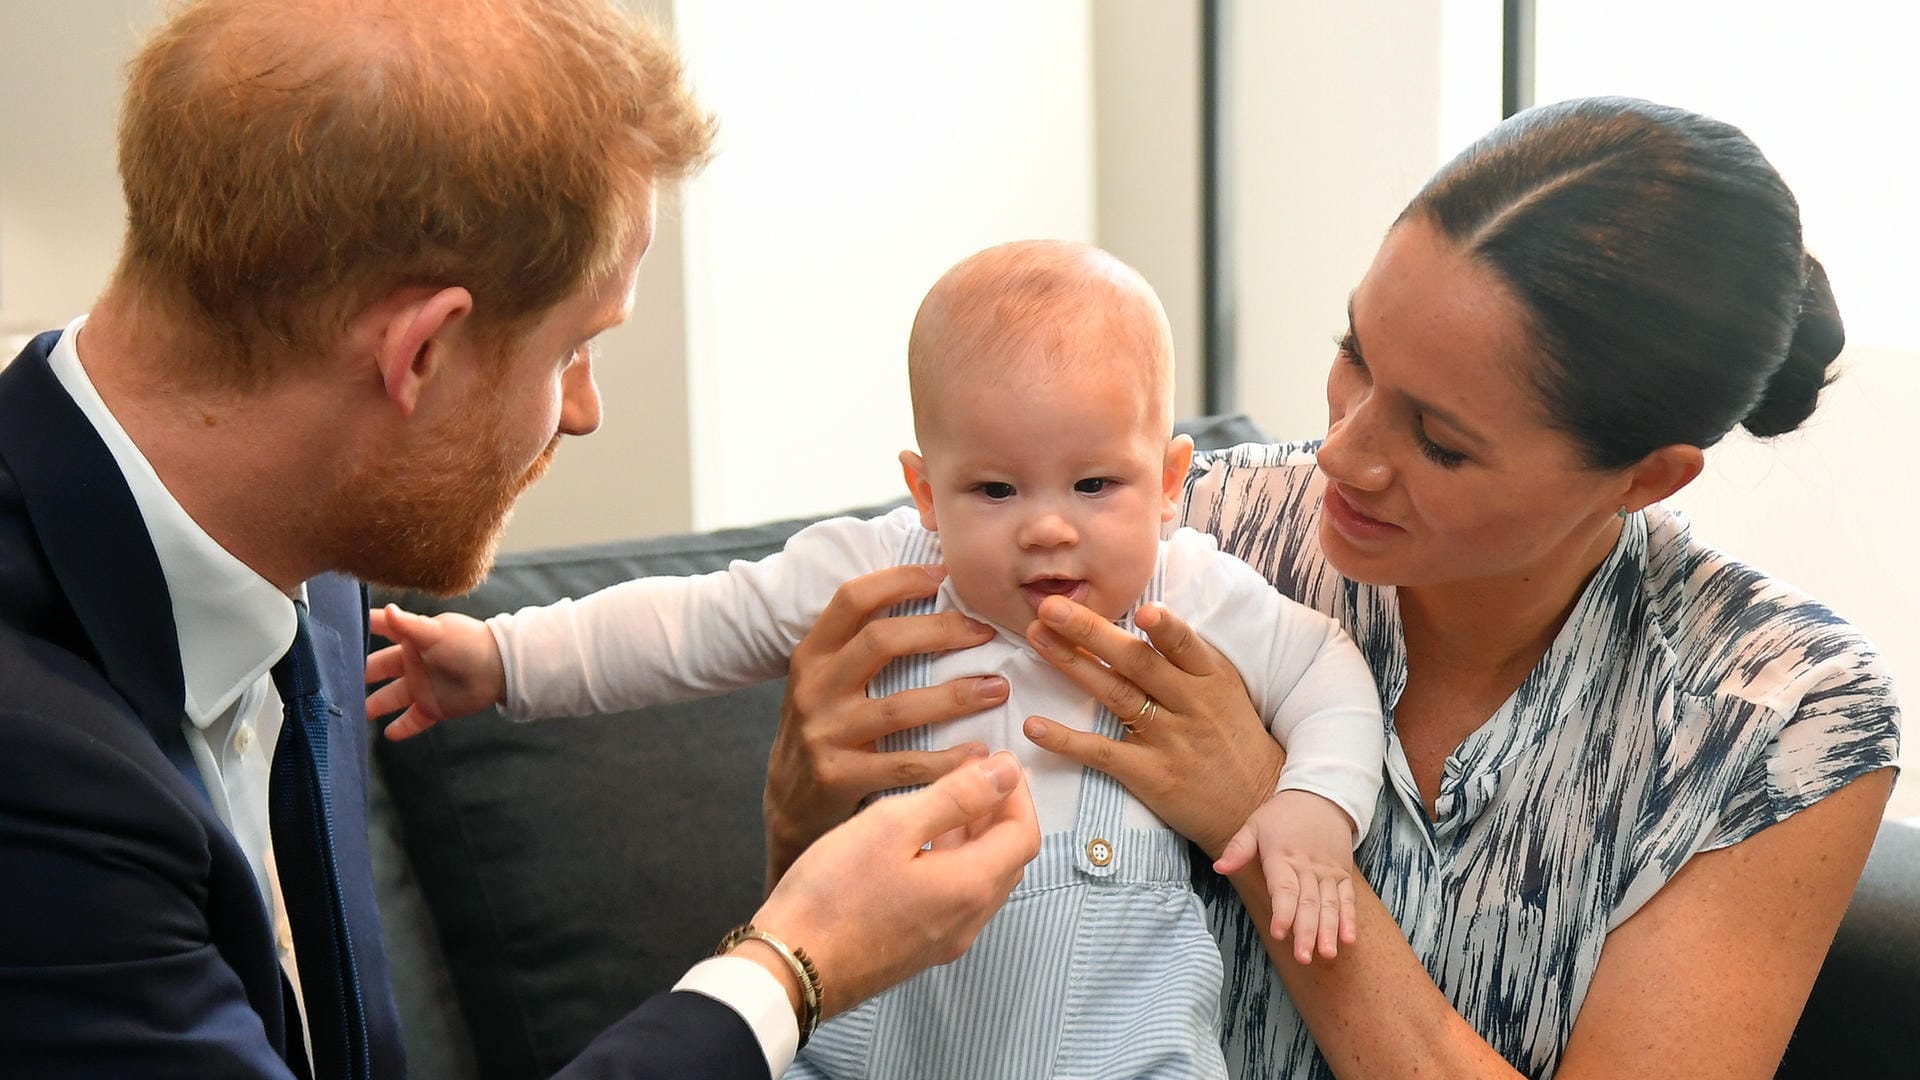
x: 1054, y: 488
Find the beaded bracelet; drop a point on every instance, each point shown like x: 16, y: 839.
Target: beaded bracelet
x: 797, y: 959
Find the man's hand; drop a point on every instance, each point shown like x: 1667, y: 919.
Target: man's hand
x: 874, y: 905
x: 823, y: 762
x: 441, y: 667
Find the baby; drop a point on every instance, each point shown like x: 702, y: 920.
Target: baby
x: 1042, y: 384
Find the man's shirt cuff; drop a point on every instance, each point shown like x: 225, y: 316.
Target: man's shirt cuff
x: 759, y: 998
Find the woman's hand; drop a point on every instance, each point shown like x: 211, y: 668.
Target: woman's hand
x: 823, y: 762
x: 1196, y: 753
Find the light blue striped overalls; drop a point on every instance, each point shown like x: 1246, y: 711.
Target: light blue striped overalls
x: 1100, y: 966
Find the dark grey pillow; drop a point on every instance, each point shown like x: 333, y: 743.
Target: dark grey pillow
x: 575, y: 867
x: 1859, y: 1019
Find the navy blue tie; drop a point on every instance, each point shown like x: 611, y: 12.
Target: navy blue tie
x: 302, y: 826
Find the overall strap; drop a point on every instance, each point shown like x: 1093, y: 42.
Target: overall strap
x: 909, y: 672
x: 1103, y: 801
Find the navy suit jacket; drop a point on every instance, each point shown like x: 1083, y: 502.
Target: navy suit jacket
x: 133, y: 939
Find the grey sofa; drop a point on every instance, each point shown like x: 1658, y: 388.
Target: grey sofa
x: 539, y: 880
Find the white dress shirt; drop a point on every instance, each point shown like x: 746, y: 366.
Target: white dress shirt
x: 232, y: 625
x: 759, y: 998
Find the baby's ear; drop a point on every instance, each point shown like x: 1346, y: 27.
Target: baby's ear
x: 914, y: 468
x: 1173, y: 475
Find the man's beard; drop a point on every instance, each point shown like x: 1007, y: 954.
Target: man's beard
x: 432, y: 523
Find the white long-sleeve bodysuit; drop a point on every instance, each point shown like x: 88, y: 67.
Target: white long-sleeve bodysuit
x: 1027, y: 999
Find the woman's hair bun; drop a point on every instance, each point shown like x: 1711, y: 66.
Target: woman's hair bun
x: 1818, y: 335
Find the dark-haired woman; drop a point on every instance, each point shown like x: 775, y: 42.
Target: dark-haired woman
x: 1632, y: 782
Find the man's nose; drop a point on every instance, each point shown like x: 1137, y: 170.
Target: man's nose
x: 579, y: 398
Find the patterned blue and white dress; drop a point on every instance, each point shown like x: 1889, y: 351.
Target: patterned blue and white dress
x: 1688, y: 703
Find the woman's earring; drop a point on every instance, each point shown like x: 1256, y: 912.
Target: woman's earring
x: 1621, y: 513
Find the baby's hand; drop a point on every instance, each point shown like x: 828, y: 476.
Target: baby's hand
x: 441, y: 667
x: 1305, y: 847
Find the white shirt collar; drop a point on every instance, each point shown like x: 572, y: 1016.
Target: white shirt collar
x: 232, y: 624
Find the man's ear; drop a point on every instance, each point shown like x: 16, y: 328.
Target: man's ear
x: 914, y: 468
x: 1660, y: 474
x: 1173, y: 475
x: 412, y: 340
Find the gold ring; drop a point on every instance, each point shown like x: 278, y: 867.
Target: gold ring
x: 1148, y: 710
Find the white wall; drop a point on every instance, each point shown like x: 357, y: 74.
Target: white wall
x: 866, y: 145
x: 1147, y: 144
x: 60, y: 209
x: 1832, y: 507
x: 1336, y: 124
x: 633, y: 477
x: 830, y: 208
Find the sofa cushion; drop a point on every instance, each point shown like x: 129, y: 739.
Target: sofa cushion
x: 574, y: 867
x: 1859, y: 1019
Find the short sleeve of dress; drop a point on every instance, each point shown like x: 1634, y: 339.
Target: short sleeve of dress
x: 1847, y: 725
